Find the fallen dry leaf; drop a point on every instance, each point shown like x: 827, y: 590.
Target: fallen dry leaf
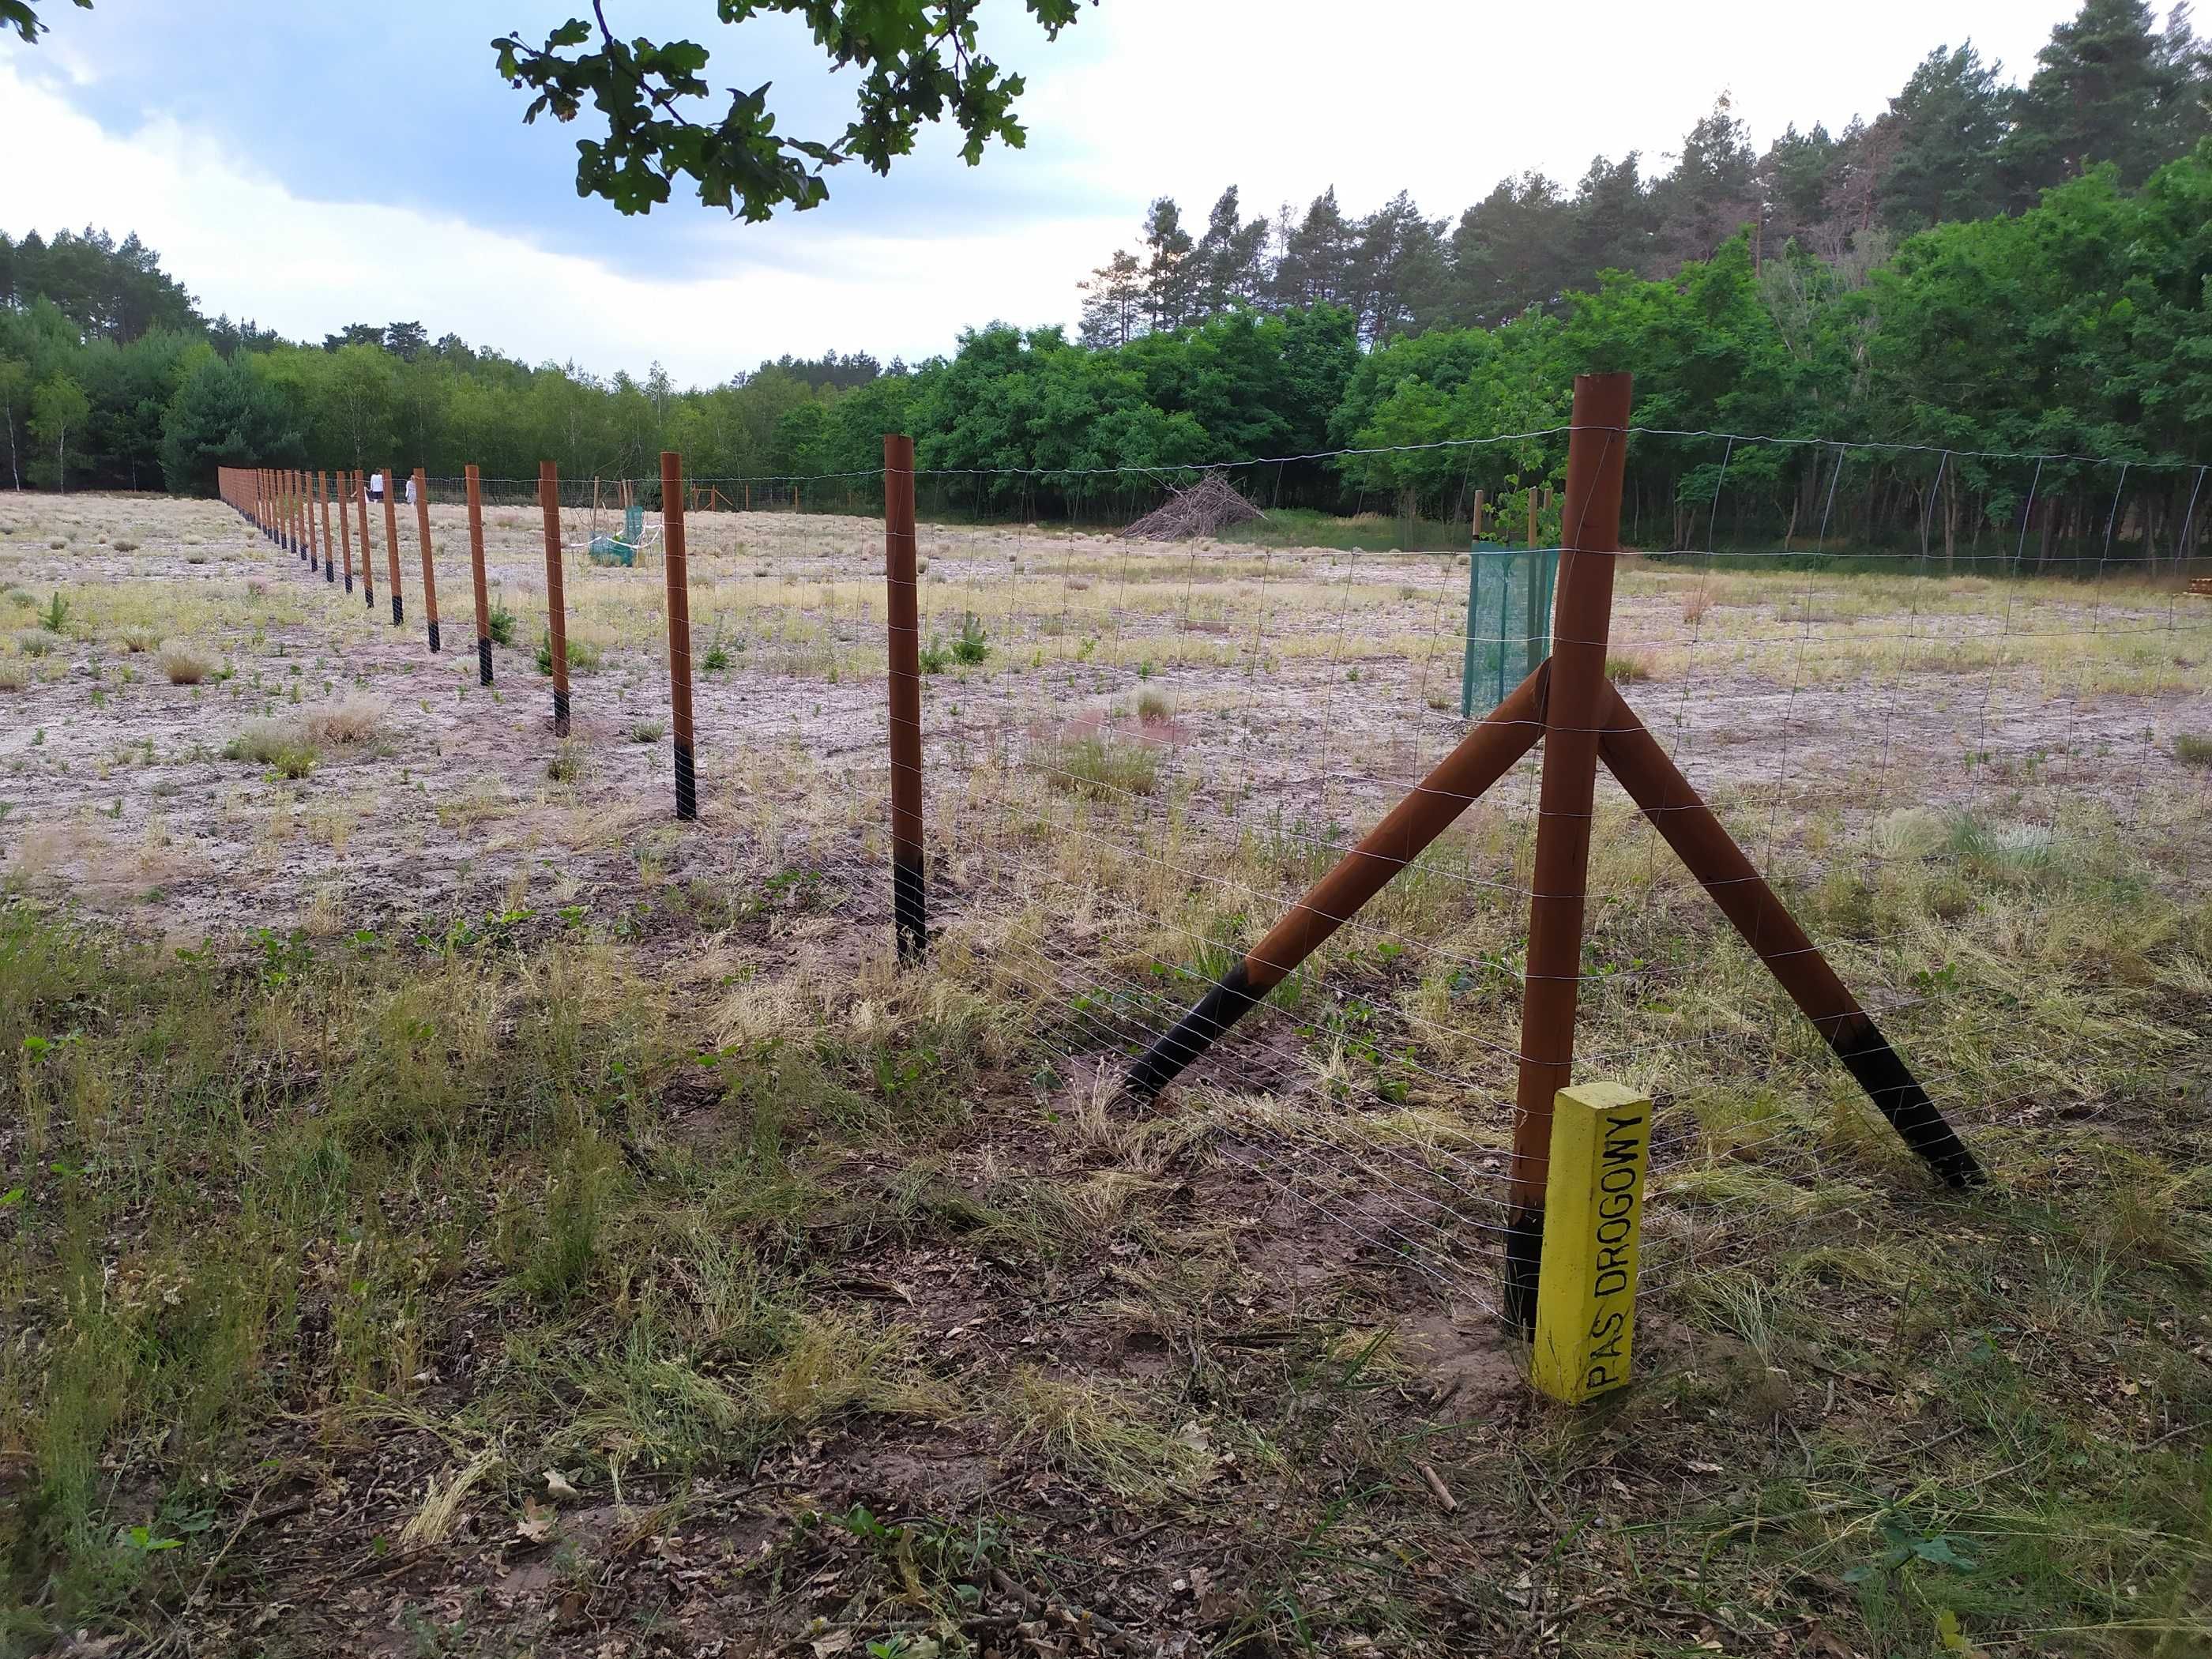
x: 538, y: 1522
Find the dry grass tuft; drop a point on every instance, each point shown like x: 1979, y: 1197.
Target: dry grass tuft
x: 2193, y: 748
x: 441, y: 1504
x: 14, y: 673
x: 1627, y: 667
x: 351, y: 719
x: 836, y: 1362
x: 1079, y: 1428
x: 183, y: 664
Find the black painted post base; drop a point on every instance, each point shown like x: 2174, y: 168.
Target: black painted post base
x: 434, y: 636
x: 687, y: 785
x: 484, y: 662
x: 1524, y: 1260
x: 1221, y: 1008
x: 396, y: 617
x: 1898, y: 1096
x: 910, y: 905
x: 560, y: 713
x: 330, y: 573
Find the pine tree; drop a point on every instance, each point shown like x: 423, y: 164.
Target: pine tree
x: 1510, y: 250
x: 1315, y: 256
x: 1114, y: 312
x: 1950, y: 121
x: 1231, y: 258
x: 1396, y: 270
x: 2108, y: 87
x: 1712, y: 192
x: 1170, y: 277
x: 1612, y: 217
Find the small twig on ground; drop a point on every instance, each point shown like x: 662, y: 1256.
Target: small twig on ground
x: 1444, y: 1498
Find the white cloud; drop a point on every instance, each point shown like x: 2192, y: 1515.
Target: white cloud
x: 1286, y: 97
x: 304, y: 268
x: 1281, y: 97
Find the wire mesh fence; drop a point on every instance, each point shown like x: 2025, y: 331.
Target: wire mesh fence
x: 1136, y: 758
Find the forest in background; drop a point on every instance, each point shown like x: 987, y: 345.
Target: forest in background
x: 1984, y: 267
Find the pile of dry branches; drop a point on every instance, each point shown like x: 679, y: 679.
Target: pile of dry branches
x: 1206, y: 508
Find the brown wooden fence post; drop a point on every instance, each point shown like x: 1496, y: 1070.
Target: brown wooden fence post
x: 549, y: 501
x: 679, y: 631
x: 476, y: 576
x: 367, y: 564
x: 392, y: 540
x: 909, y: 905
x: 345, y: 527
x: 1590, y: 540
x: 429, y: 575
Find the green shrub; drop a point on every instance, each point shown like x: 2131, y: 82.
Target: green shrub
x: 500, y: 625
x: 582, y: 653
x: 971, y: 648
x: 2193, y: 748
x: 571, y: 760
x: 1097, y: 767
x: 283, y: 747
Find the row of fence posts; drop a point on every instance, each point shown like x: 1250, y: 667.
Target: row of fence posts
x: 1565, y: 704
x: 291, y: 507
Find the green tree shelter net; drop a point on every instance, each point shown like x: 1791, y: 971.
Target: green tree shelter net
x: 1509, y: 621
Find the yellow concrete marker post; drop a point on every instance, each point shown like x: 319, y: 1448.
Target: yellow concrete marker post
x: 1593, y: 1224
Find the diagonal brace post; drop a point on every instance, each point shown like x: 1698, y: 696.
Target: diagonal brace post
x: 1710, y: 854
x: 1484, y: 755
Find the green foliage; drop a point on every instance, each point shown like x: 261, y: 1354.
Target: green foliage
x: 225, y: 414
x: 59, y: 410
x: 282, y: 746
x: 971, y: 648
x: 918, y: 59
x: 499, y: 624
x: 23, y: 17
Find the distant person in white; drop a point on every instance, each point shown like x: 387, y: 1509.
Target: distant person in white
x: 410, y: 489
x: 376, y: 486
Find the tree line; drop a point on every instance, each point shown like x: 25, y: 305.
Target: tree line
x: 1958, y: 142
x: 2077, y: 325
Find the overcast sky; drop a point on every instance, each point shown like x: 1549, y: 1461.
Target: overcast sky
x: 311, y: 165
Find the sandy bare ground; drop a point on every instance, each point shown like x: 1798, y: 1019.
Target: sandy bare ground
x: 1297, y: 689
